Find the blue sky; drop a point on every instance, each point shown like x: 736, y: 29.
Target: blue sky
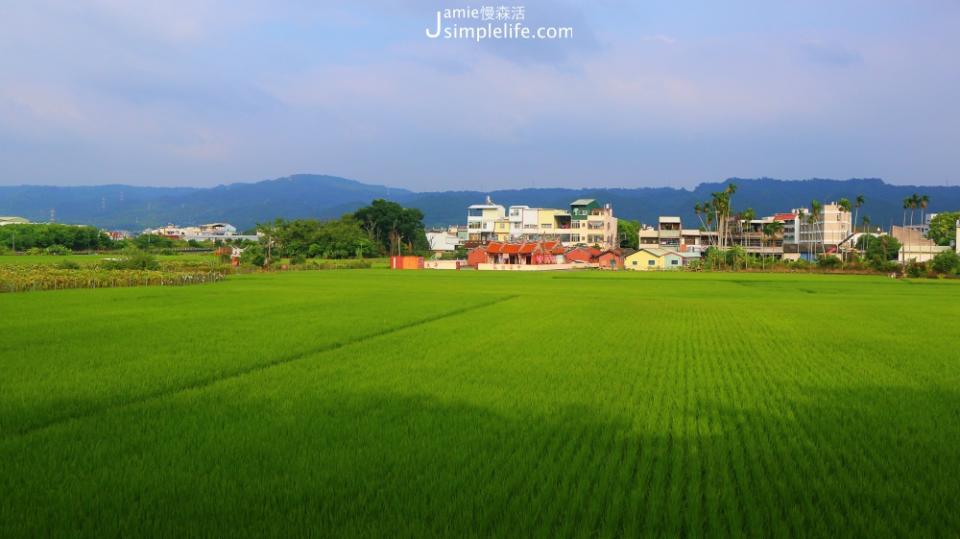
x: 669, y: 93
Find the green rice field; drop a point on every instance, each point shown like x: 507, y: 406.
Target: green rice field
x: 473, y: 404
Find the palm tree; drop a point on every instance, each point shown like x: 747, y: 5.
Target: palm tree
x: 857, y: 205
x: 913, y: 202
x: 709, y: 220
x: 923, y: 202
x: 906, y: 206
x: 814, y: 219
x: 770, y: 230
x: 843, y: 204
x: 746, y: 216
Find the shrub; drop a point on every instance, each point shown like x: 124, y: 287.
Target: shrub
x: 57, y: 250
x: 828, y: 262
x: 946, y: 263
x: 800, y: 264
x: 68, y: 265
x: 253, y: 255
x: 298, y: 259
x: 916, y: 269
x: 885, y: 266
x: 133, y: 259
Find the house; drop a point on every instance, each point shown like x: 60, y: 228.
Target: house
x: 482, y: 219
x: 670, y: 235
x: 653, y: 259
x: 445, y: 241
x: 521, y: 254
x: 956, y: 243
x: 612, y: 259
x: 914, y: 246
x: 586, y: 255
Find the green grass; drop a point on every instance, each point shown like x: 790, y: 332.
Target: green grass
x: 372, y: 403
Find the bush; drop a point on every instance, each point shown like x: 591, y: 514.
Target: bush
x: 800, y: 264
x: 885, y: 266
x: 298, y: 259
x: 828, y: 262
x: 133, y: 259
x: 946, y: 263
x: 253, y: 255
x: 57, y: 250
x: 916, y: 269
x: 68, y: 265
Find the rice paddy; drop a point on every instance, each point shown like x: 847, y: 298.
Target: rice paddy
x: 372, y: 403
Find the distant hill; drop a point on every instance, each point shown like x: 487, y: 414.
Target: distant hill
x: 305, y: 195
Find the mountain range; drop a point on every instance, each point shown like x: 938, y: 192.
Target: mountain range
x: 317, y: 196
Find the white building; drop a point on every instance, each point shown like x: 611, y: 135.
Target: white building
x: 11, y: 220
x: 444, y: 241
x: 956, y: 243
x: 481, y: 219
x: 832, y: 232
x: 207, y: 232
x: 914, y: 246
x: 585, y: 223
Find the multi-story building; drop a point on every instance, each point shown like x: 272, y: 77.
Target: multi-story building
x: 750, y: 235
x: 831, y: 232
x: 481, y: 220
x: 669, y: 234
x: 585, y: 223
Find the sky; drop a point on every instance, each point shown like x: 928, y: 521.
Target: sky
x: 645, y: 93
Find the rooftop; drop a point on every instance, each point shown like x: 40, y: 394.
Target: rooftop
x: 583, y: 202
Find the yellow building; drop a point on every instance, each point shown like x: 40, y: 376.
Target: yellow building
x: 652, y: 259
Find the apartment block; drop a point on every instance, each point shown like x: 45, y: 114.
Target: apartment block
x: 832, y: 232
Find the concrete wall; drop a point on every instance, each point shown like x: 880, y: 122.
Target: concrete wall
x: 532, y: 267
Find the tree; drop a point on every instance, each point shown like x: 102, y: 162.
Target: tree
x: 628, y: 231
x: 393, y: 227
x: 943, y: 227
x: 879, y: 250
x: 20, y: 237
x: 147, y: 242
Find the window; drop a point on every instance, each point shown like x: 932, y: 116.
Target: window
x: 634, y: 262
x: 651, y: 262
x: 674, y: 262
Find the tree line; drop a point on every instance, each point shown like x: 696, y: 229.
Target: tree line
x: 381, y: 229
x: 23, y: 237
